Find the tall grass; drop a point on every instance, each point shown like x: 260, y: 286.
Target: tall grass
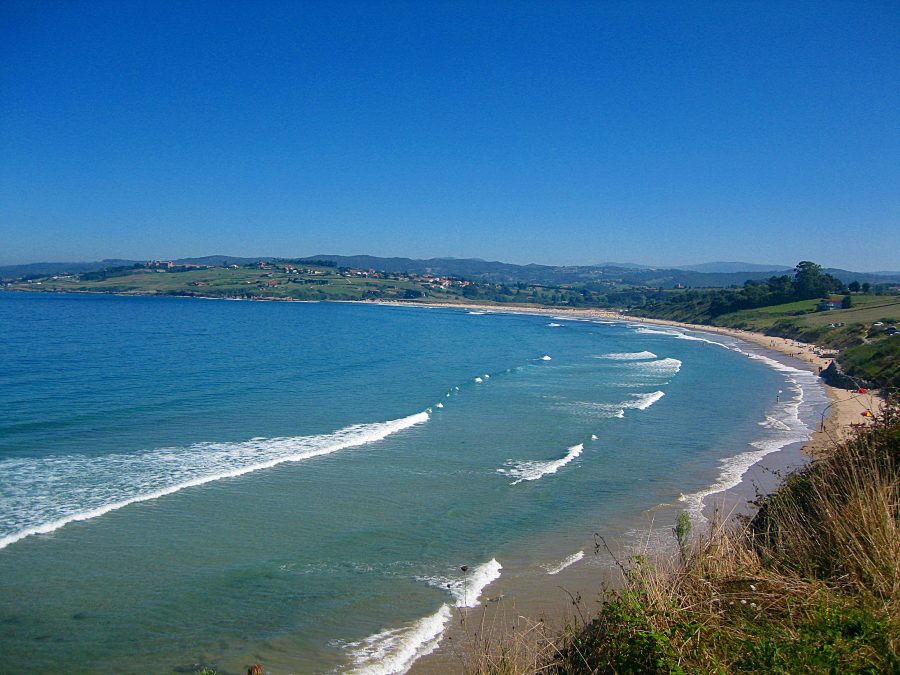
x: 811, y: 583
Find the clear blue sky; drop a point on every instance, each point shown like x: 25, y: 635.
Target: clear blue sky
x: 552, y: 132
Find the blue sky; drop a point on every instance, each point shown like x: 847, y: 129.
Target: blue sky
x: 552, y: 132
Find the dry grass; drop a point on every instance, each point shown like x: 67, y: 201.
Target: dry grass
x: 810, y: 584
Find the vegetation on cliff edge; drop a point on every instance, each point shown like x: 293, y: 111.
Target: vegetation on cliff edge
x: 811, y: 583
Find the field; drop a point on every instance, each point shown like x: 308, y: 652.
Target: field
x: 314, y: 283
x: 866, y: 310
x: 868, y: 352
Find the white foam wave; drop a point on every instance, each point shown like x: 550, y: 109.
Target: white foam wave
x: 627, y: 356
x: 663, y: 367
x: 732, y: 470
x: 570, y: 560
x: 790, y: 428
x: 395, y: 650
x: 681, y: 336
x: 478, y: 380
x: 467, y: 587
x: 644, y: 401
x: 593, y: 437
x: 48, y: 493
x: 643, y: 330
x: 637, y: 402
x: 545, y: 357
x: 772, y: 423
x: 554, y: 325
x: 533, y: 470
x: 439, y: 405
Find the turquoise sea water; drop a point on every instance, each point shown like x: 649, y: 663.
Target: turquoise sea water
x: 187, y: 481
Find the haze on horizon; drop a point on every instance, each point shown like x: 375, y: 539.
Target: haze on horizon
x: 556, y: 133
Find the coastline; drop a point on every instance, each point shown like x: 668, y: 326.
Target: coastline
x: 846, y: 406
x: 541, y: 599
x: 539, y: 595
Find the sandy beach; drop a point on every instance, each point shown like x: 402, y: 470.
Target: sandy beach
x: 540, y: 599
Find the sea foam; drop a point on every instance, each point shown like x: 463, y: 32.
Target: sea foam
x: 644, y: 401
x: 534, y: 470
x: 466, y: 587
x: 627, y: 356
x: 395, y: 650
x: 662, y: 367
x: 636, y: 402
x: 51, y: 492
x: 732, y: 470
x: 569, y: 561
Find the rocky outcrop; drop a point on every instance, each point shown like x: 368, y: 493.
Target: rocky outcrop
x: 835, y: 377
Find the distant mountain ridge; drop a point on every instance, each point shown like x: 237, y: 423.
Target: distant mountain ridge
x: 728, y: 267
x: 716, y: 274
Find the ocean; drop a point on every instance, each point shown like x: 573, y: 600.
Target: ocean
x: 187, y: 482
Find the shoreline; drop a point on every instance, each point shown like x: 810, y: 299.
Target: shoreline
x: 536, y: 599
x: 845, y: 407
x: 541, y: 596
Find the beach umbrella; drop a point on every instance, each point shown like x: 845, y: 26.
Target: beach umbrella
x: 868, y: 413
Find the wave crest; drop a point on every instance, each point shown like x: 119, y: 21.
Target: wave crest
x: 37, y: 505
x: 533, y: 470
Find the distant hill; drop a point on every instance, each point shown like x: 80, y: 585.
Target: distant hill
x: 728, y: 267
x: 493, y: 271
x: 48, y: 268
x: 499, y: 272
x: 624, y: 266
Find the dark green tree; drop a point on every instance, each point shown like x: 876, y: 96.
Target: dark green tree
x: 811, y: 282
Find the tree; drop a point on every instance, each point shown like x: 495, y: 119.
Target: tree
x: 853, y: 286
x: 811, y: 282
x: 866, y: 286
x: 847, y: 302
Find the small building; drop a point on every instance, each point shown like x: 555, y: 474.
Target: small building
x: 826, y: 304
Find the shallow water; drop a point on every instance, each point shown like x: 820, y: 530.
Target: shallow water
x: 186, y: 482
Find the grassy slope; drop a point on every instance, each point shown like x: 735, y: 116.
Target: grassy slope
x: 867, y: 352
x: 810, y: 584
x: 224, y: 282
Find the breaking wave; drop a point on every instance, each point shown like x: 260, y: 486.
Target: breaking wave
x: 533, y: 470
x: 637, y: 402
x: 644, y: 401
x: 48, y: 493
x: 395, y: 650
x: 732, y: 470
x: 569, y: 561
x: 466, y: 588
x: 627, y: 356
x: 662, y: 367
